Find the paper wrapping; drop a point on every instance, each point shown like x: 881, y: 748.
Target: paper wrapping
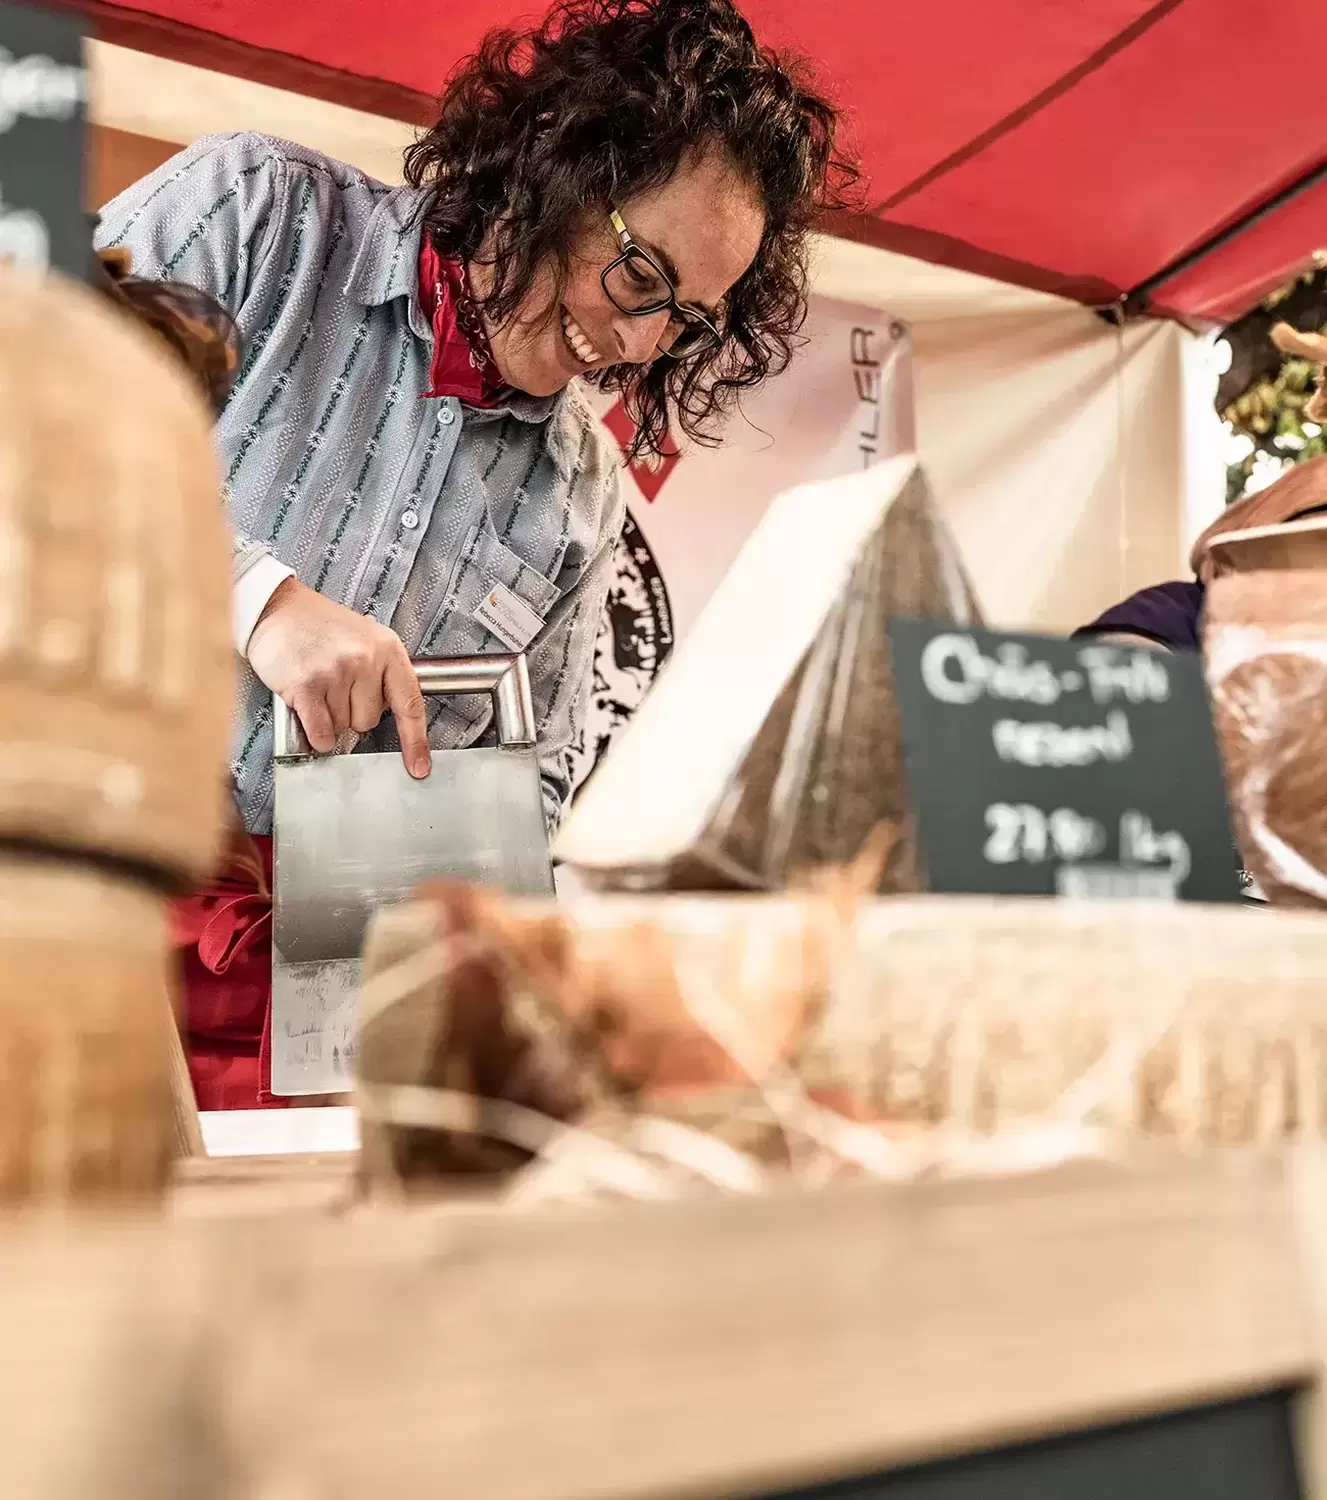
x: 799, y: 1034
x: 827, y: 764
x: 771, y: 744
x: 1265, y: 641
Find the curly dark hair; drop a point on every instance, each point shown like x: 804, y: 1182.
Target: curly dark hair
x: 541, y: 130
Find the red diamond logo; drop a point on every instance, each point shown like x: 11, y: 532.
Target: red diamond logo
x: 650, y: 478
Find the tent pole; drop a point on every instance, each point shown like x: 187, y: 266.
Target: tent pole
x: 1135, y: 303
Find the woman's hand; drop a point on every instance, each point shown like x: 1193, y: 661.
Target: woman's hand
x: 338, y: 670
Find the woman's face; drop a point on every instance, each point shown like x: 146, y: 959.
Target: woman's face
x: 703, y: 226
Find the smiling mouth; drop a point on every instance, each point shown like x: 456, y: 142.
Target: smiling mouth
x: 574, y: 337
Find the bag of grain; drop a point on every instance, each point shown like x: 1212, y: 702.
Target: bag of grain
x: 771, y: 742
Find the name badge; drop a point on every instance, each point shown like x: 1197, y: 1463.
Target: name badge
x: 510, y: 619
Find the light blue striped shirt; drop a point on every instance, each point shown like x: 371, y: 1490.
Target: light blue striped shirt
x: 408, y: 509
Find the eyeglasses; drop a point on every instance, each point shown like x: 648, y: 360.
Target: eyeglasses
x: 637, y: 285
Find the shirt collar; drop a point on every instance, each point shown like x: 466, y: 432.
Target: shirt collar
x: 386, y: 266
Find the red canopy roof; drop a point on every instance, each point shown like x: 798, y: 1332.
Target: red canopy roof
x: 1079, y: 146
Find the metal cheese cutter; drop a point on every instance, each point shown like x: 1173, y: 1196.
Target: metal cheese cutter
x: 355, y: 832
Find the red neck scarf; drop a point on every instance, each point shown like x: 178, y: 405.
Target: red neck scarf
x: 462, y: 363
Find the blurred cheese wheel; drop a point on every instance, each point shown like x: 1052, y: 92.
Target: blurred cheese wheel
x: 972, y: 1015
x: 86, y: 1111
x: 115, y: 661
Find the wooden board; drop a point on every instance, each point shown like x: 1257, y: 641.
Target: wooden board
x: 717, y: 1348
x: 227, y: 1186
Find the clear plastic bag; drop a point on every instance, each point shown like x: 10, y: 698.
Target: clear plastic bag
x: 1265, y: 641
x: 743, y: 1042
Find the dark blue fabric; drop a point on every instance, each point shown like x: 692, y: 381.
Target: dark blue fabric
x: 1169, y: 614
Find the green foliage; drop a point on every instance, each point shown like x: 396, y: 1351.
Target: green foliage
x: 1271, y: 415
x: 1264, y: 395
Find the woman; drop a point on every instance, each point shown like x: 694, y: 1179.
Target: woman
x: 622, y: 195
x: 1169, y: 615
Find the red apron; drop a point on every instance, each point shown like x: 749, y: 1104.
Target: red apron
x: 223, y: 935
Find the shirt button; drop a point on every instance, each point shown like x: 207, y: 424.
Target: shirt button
x: 410, y: 519
x: 446, y: 415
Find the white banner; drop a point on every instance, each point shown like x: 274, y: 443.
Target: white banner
x: 844, y: 403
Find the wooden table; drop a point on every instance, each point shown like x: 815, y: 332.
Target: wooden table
x: 718, y: 1348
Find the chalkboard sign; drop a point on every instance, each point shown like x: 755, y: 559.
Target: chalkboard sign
x: 1038, y: 766
x: 1240, y: 1450
x: 43, y: 86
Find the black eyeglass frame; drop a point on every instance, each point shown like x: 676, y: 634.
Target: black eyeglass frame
x: 691, y: 318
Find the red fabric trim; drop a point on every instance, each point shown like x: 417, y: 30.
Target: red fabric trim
x: 462, y: 363
x: 1059, y: 173
x: 945, y: 250
x: 1270, y: 246
x: 1031, y: 107
x: 1081, y: 187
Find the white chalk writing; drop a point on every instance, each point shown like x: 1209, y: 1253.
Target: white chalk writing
x: 24, y: 240
x: 1020, y: 833
x: 37, y: 87
x: 1023, y: 833
x: 1142, y: 844
x: 1063, y: 745
x: 955, y: 670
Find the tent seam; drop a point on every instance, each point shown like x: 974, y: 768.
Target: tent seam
x: 1063, y: 85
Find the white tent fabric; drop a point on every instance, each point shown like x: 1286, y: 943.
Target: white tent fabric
x: 170, y: 101
x: 1073, y: 461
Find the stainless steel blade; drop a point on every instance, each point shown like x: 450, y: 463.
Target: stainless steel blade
x: 356, y: 832
x: 315, y: 1018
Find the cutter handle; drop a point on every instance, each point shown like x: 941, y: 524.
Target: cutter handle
x: 505, y: 678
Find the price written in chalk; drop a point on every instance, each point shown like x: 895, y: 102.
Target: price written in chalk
x: 1041, y: 766
x: 1027, y: 833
